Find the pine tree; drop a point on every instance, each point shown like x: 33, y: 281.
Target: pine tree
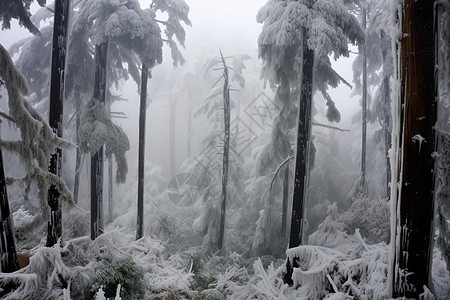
x: 291, y: 30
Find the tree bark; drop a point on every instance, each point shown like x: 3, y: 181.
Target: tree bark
x: 302, y: 148
x: 110, y: 190
x: 285, y: 200
x: 387, y: 126
x: 302, y: 154
x: 418, y: 99
x: 56, y: 112
x: 226, y: 148
x: 141, y: 152
x: 76, y: 183
x: 8, y: 254
x: 101, y: 54
x: 364, y: 104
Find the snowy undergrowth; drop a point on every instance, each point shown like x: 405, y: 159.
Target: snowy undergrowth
x: 79, y: 264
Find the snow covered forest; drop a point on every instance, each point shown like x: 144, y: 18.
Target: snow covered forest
x: 206, y: 149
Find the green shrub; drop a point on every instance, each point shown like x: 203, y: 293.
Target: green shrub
x: 125, y: 272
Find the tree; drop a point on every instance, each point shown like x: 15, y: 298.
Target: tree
x: 292, y: 29
x: 415, y: 146
x: 8, y: 254
x: 141, y: 152
x: 101, y: 56
x: 20, y: 10
x: 135, y: 38
x: 226, y: 148
x: 56, y: 112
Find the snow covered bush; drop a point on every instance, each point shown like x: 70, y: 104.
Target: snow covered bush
x: 114, y: 256
x: 124, y: 273
x: 370, y: 216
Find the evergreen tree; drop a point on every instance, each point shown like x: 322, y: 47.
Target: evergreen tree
x: 20, y: 10
x: 291, y: 30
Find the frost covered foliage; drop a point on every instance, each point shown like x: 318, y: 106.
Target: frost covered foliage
x: 370, y: 216
x: 33, y: 62
x: 328, y: 27
x: 123, y: 275
x: 37, y: 139
x: 442, y: 191
x: 321, y: 273
x: 19, y: 10
x: 81, y: 263
x: 133, y: 29
x: 97, y: 129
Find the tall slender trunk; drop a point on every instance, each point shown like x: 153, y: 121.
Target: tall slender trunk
x: 76, y: 183
x: 302, y: 154
x: 8, y: 254
x: 226, y: 148
x: 364, y: 103
x: 387, y: 120
x: 141, y: 152
x: 56, y: 112
x: 285, y: 200
x: 172, y: 109
x: 110, y: 190
x: 101, y: 54
x: 418, y: 103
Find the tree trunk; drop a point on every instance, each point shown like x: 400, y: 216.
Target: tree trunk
x: 101, y: 54
x: 302, y: 154
x: 110, y: 190
x: 226, y: 148
x: 56, y: 112
x: 8, y: 254
x: 414, y: 230
x: 141, y: 154
x: 76, y: 183
x: 387, y: 121
x: 364, y: 104
x: 285, y: 200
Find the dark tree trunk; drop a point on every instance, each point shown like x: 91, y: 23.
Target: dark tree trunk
x: 101, y: 54
x: 302, y: 154
x: 76, y: 183
x: 226, y: 148
x: 285, y: 200
x: 141, y: 154
x: 414, y: 231
x: 8, y: 254
x: 110, y: 190
x: 364, y: 104
x: 56, y: 112
x: 387, y: 122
